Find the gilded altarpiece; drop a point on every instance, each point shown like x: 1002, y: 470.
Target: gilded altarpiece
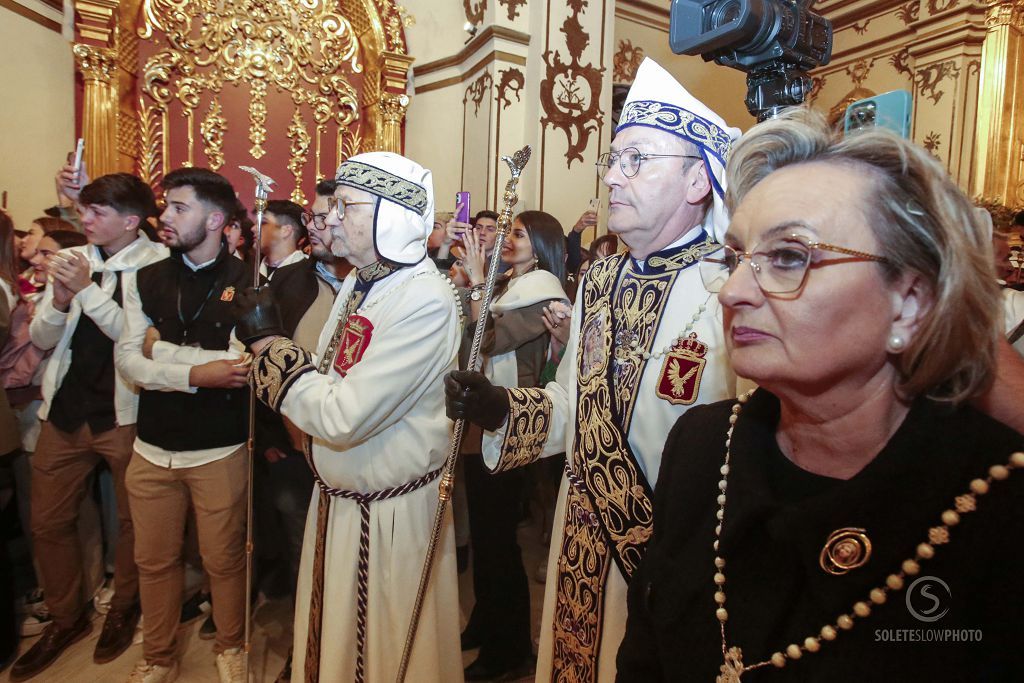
x: 291, y: 87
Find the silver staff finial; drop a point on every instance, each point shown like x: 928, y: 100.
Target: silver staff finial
x: 265, y: 182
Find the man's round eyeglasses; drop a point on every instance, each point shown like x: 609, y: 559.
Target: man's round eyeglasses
x: 780, y: 265
x: 340, y: 206
x: 629, y: 160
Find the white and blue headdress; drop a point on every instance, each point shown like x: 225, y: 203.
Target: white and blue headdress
x: 656, y: 100
x: 405, y: 216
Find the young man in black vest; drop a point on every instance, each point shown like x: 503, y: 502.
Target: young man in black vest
x: 88, y: 412
x: 192, y: 421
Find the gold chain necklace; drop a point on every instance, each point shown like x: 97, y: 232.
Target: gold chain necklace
x: 732, y: 657
x: 627, y: 343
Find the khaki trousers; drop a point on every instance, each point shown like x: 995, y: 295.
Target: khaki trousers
x: 160, y: 500
x: 60, y: 468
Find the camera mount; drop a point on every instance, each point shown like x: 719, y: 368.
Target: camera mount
x: 775, y: 41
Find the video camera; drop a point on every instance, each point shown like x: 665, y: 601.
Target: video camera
x: 775, y: 41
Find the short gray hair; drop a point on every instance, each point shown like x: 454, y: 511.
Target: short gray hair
x: 925, y: 225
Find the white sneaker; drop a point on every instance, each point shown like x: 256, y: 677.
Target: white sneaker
x: 231, y: 666
x: 153, y: 673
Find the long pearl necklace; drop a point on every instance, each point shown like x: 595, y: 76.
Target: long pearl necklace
x: 732, y: 657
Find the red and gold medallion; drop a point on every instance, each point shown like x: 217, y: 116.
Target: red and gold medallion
x: 228, y: 294
x: 680, y: 375
x: 352, y: 345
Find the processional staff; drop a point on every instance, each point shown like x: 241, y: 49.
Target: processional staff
x: 516, y: 164
x: 264, y: 184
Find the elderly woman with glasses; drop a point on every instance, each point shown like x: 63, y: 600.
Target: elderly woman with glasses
x: 853, y: 518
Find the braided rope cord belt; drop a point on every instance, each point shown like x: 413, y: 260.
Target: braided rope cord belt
x: 362, y: 593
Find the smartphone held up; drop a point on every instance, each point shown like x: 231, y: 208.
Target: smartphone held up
x: 462, y: 207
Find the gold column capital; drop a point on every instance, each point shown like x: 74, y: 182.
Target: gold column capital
x: 95, y: 63
x: 96, y: 20
x: 393, y: 106
x: 1005, y: 13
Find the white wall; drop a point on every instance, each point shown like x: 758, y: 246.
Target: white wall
x: 37, y: 120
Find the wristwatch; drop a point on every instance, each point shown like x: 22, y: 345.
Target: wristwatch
x: 476, y: 295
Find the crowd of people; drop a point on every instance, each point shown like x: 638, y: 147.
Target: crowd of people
x: 788, y: 400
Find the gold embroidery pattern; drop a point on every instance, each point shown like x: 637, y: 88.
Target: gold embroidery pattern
x: 685, y: 257
x: 275, y: 370
x: 609, y: 503
x: 582, y: 571
x: 639, y: 303
x: 379, y: 182
x: 529, y: 419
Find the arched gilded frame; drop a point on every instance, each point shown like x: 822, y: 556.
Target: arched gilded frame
x: 162, y: 81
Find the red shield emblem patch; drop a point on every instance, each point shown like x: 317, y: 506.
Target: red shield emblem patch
x: 352, y: 345
x: 228, y: 294
x: 680, y: 375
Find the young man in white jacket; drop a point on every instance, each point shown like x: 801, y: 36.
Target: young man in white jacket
x: 88, y: 412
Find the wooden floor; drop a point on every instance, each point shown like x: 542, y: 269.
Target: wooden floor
x: 272, y: 630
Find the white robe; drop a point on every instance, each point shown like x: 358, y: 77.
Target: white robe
x: 381, y: 426
x: 652, y: 419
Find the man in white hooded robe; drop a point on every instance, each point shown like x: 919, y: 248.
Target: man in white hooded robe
x: 371, y: 402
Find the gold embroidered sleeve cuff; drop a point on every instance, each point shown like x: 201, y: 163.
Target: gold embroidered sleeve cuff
x: 529, y: 419
x: 275, y: 370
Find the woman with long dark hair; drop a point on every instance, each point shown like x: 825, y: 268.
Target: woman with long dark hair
x: 515, y: 348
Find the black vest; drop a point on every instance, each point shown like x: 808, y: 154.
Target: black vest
x: 193, y: 308
x: 86, y: 394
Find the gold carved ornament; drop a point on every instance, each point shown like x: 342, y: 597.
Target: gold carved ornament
x: 302, y: 48
x: 95, y: 63
x: 212, y: 130
x: 299, y: 148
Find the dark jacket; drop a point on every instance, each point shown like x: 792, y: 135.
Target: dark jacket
x: 203, y: 314
x: 304, y: 300
x: 295, y: 288
x: 777, y: 519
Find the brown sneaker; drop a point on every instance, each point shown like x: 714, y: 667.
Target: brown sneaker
x: 49, y: 647
x: 118, y: 632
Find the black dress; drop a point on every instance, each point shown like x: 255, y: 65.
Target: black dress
x: 777, y: 520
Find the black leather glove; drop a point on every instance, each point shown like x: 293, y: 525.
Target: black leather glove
x: 471, y: 396
x: 257, y: 315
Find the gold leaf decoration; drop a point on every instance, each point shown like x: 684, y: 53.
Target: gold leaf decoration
x: 351, y: 146
x: 300, y: 140
x: 151, y: 136
x: 212, y: 130
x: 258, y: 119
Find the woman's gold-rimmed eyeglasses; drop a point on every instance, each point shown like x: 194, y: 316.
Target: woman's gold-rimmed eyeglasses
x: 780, y: 266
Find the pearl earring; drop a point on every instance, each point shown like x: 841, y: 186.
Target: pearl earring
x: 896, y: 343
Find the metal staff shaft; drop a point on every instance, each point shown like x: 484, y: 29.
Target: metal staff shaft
x: 516, y: 163
x: 263, y: 186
